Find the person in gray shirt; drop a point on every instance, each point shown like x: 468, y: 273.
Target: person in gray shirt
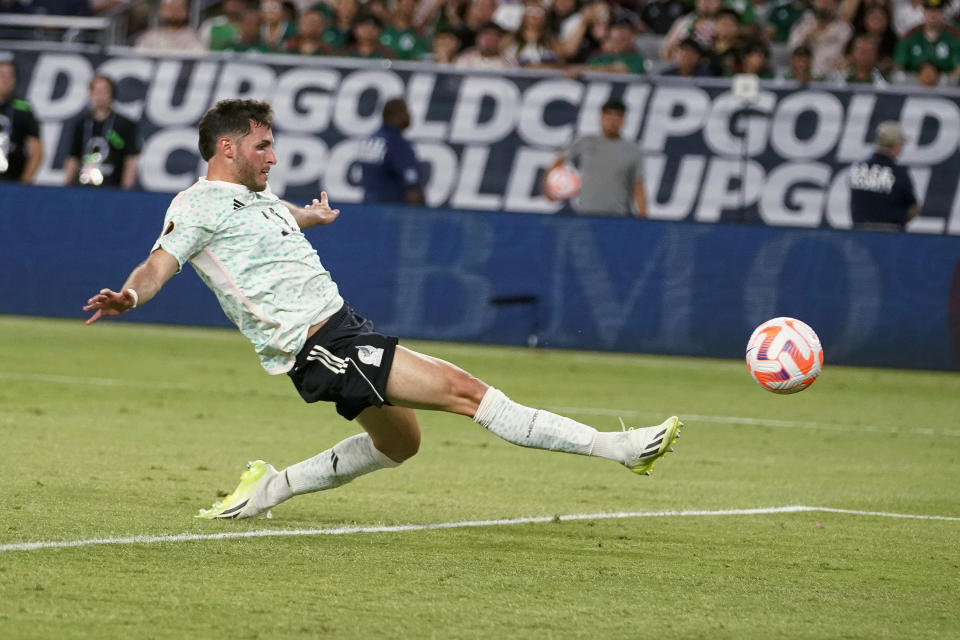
x: 611, y: 168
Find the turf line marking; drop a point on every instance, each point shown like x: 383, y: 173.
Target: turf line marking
x: 335, y: 531
x: 740, y: 420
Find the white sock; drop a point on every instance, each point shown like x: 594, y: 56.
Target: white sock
x: 336, y: 466
x: 544, y: 430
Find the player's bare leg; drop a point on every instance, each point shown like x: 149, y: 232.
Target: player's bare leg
x: 422, y: 381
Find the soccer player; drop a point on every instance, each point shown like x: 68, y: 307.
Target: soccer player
x: 247, y: 245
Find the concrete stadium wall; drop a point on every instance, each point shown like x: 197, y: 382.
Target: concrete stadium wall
x: 586, y: 283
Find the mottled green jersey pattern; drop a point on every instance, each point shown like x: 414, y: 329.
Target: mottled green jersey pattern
x: 247, y: 247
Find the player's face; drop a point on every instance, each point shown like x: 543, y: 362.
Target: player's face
x: 254, y: 158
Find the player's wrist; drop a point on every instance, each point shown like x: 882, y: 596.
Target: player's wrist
x: 136, y: 297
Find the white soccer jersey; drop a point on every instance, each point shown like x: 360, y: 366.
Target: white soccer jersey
x: 247, y: 247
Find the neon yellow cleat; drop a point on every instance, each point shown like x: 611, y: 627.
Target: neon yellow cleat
x: 243, y: 502
x: 649, y: 444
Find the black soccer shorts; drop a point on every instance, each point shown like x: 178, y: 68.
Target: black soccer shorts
x: 345, y: 362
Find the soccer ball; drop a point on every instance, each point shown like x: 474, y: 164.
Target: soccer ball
x: 563, y: 183
x: 784, y: 355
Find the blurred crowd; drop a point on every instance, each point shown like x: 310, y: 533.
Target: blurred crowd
x: 856, y: 41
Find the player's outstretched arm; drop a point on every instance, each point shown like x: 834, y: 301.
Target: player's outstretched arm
x: 316, y: 213
x: 142, y: 285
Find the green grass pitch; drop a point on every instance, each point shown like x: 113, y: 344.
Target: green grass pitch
x: 121, y: 430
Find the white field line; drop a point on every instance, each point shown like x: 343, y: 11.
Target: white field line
x: 266, y: 391
x: 335, y: 531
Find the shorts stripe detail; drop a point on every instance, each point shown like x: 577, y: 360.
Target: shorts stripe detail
x: 327, y: 359
x: 366, y: 379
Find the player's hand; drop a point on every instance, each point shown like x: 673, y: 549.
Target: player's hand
x: 319, y: 211
x: 109, y: 303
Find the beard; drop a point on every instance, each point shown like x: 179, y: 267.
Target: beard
x: 249, y: 176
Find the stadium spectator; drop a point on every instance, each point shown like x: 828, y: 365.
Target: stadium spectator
x: 585, y: 33
x: 444, y: 48
x: 248, y: 244
x: 340, y: 27
x: 755, y: 59
x: 486, y: 54
x: 660, y: 15
x: 689, y: 61
x: 801, y: 66
x: 400, y: 36
x: 104, y: 146
x: 928, y: 75
x: 247, y: 37
x: 174, y: 32
x: 864, y: 59
x: 217, y: 32
x: 21, y: 149
x: 825, y: 32
x: 930, y: 42
x: 388, y: 163
x: 275, y: 29
x: 611, y: 168
x: 532, y: 44
x: 619, y: 55
x: 723, y: 56
x: 746, y: 9
x: 477, y: 15
x: 882, y: 195
x: 697, y: 25
x: 782, y: 16
x: 365, y: 42
x: 907, y: 15
x: 877, y: 23
x: 309, y: 39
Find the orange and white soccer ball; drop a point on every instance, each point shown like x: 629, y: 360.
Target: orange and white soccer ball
x: 563, y: 183
x: 784, y: 355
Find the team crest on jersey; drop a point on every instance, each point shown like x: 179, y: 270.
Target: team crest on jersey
x: 370, y: 355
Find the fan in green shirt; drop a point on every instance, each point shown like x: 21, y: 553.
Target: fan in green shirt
x: 399, y: 34
x: 618, y: 54
x: 930, y: 42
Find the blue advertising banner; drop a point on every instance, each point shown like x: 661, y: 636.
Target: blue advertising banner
x: 484, y: 139
x: 587, y: 283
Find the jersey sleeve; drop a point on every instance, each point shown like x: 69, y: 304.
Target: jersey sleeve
x: 908, y: 193
x: 31, y: 127
x: 76, y: 138
x: 403, y: 162
x: 574, y: 151
x: 187, y: 229
x: 638, y: 169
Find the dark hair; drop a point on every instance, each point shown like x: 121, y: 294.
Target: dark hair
x: 231, y: 118
x: 394, y: 111
x: 692, y: 44
x: 614, y: 105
